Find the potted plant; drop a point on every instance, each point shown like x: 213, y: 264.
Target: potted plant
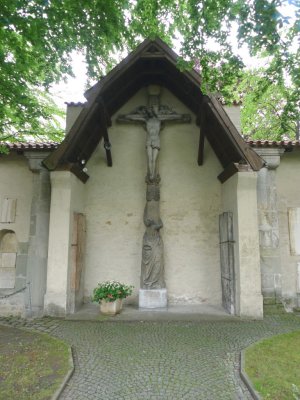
x: 110, y: 295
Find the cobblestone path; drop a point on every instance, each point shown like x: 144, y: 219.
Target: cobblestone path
x: 158, y: 360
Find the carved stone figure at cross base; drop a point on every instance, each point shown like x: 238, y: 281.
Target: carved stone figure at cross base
x: 152, y: 269
x: 152, y: 117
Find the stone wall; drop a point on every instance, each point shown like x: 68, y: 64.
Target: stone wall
x: 15, y: 205
x: 190, y: 205
x: 288, y: 193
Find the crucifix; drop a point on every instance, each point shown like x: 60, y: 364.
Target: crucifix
x: 153, y: 117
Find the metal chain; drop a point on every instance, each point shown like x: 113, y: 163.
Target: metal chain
x: 12, y: 294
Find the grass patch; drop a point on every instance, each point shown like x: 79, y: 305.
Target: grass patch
x: 32, y: 365
x: 273, y: 367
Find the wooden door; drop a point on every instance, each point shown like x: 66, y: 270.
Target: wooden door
x: 77, y: 254
x: 227, y: 261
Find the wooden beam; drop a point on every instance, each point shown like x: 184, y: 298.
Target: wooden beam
x: 75, y: 169
x: 201, y: 147
x: 107, y: 147
x: 104, y: 114
x: 202, y: 134
x: 89, y: 146
x: 232, y: 169
x: 103, y: 123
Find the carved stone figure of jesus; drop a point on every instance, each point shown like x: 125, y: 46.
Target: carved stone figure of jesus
x: 152, y: 117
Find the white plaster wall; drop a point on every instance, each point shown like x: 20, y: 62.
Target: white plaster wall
x: 190, y: 205
x: 115, y: 199
x: 59, y: 233
x: 288, y: 192
x: 16, y: 183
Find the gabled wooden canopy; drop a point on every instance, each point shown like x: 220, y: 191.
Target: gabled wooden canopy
x: 152, y: 62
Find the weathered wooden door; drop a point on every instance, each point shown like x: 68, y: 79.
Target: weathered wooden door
x: 77, y: 254
x: 227, y: 261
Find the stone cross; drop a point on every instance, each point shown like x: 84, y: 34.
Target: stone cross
x: 152, y: 116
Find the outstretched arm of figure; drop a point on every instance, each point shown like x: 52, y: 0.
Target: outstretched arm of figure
x: 175, y: 117
x: 131, y: 117
x: 139, y: 114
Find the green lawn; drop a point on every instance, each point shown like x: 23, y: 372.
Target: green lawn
x: 273, y: 366
x: 32, y: 365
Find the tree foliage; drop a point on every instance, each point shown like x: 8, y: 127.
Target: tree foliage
x: 37, y: 38
x: 267, y: 111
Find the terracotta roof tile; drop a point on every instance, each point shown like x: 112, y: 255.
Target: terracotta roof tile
x: 75, y: 104
x: 274, y: 143
x: 53, y: 145
x: 31, y: 145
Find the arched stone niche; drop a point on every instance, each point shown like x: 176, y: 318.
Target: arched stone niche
x: 8, y: 256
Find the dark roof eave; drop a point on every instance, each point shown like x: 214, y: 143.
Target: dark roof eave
x: 166, y: 53
x: 238, y: 147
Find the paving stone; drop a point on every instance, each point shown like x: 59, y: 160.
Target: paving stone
x: 158, y: 360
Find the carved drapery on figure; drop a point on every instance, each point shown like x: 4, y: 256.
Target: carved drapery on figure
x: 153, y: 117
x: 152, y: 271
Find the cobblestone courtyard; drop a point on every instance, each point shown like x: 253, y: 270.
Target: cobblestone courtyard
x: 158, y: 360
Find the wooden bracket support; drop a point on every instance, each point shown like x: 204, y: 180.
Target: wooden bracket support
x: 233, y: 168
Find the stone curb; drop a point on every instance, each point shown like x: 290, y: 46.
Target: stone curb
x: 67, y: 377
x: 245, y: 377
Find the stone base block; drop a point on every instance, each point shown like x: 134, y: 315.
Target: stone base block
x: 55, y: 304
x: 153, y: 298
x: 251, y: 306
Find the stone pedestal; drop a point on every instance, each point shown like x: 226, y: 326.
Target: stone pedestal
x: 153, y: 298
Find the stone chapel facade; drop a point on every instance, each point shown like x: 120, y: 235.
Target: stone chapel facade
x: 72, y: 214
